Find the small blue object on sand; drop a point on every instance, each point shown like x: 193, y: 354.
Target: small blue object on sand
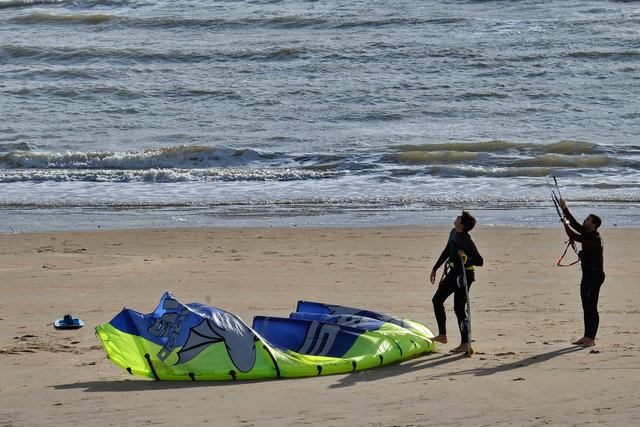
x: 68, y: 322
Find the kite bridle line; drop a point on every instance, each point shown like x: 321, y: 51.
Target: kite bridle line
x: 556, y: 203
x: 555, y: 198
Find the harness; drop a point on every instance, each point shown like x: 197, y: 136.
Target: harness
x: 449, y: 265
x: 471, y: 267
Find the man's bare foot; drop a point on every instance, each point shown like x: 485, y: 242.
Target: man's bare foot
x: 462, y: 348
x: 588, y: 343
x: 440, y: 338
x: 581, y: 341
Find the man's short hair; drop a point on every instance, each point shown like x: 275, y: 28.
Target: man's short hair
x: 596, y: 220
x: 468, y: 221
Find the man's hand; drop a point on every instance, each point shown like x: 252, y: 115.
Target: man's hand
x: 562, y: 203
x: 432, y: 277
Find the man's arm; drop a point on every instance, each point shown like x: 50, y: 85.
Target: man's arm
x: 470, y: 250
x: 572, y: 221
x: 443, y: 257
x: 474, y: 256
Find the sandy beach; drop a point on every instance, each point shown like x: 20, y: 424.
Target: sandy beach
x: 525, y: 313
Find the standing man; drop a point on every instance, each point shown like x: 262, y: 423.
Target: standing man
x: 591, y: 261
x: 458, y: 245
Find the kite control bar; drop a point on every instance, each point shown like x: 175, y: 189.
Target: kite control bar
x: 556, y: 197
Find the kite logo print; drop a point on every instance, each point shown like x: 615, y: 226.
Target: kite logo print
x: 239, y: 340
x: 319, y: 339
x: 169, y: 325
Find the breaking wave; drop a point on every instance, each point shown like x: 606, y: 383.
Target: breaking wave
x: 20, y: 162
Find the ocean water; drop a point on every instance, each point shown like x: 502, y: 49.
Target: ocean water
x: 128, y: 114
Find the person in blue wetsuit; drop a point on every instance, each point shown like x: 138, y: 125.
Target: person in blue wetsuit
x: 592, y: 264
x: 459, y: 244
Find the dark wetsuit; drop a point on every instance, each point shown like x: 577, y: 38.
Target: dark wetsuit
x: 449, y: 285
x: 591, y: 261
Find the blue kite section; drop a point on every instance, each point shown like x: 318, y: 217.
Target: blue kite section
x: 165, y: 323
x: 321, y: 308
x: 307, y: 336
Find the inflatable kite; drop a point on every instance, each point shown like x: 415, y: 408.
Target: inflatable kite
x: 199, y: 342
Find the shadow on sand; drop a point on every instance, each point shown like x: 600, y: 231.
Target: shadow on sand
x: 433, y: 360
x: 417, y: 365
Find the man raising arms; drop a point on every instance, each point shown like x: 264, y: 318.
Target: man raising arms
x: 591, y: 261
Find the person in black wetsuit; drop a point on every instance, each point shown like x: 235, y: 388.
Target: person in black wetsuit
x: 591, y: 261
x: 459, y: 243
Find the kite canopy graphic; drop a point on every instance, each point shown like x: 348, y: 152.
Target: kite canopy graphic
x: 199, y: 342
